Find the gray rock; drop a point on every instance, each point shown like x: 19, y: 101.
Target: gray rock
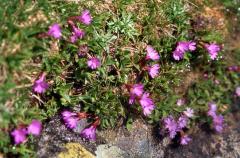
x: 109, y: 151
x: 55, y: 135
x: 141, y: 142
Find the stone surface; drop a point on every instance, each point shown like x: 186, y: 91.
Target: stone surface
x: 109, y: 151
x: 55, y: 136
x: 142, y: 141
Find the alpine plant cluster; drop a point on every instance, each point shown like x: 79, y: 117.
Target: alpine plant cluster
x: 137, y: 94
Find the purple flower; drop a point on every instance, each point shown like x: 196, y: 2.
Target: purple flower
x: 237, y: 91
x: 189, y: 112
x: 70, y: 119
x: 191, y: 46
x: 178, y: 55
x: 94, y: 63
x: 35, y: 128
x: 145, y: 100
x: 40, y: 86
x: 153, y: 70
x: 147, y: 104
x: 67, y: 114
x: 181, y: 102
x: 172, y: 126
x: 182, y: 122
x: 233, y: 68
x: 181, y: 49
x: 54, y: 31
x: 212, y: 109
x: 19, y: 135
x: 147, y: 110
x: 152, y: 53
x: 76, y: 34
x: 89, y: 133
x: 71, y: 122
x: 85, y: 18
x: 182, y: 46
x: 213, y: 50
x: 137, y: 89
x: 132, y: 99
x: 185, y: 140
x: 218, y: 123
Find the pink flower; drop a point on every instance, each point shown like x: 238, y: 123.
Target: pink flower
x: 40, y: 86
x: 237, y: 91
x: 71, y: 122
x: 19, y: 135
x: 154, y: 70
x: 233, y: 68
x: 181, y: 102
x: 181, y: 49
x: 67, y: 114
x: 172, y: 126
x: 218, y: 123
x: 213, y: 50
x: 54, y: 31
x: 191, y: 46
x: 147, y: 104
x: 132, y: 99
x: 189, y: 112
x: 185, y: 140
x: 76, y: 34
x: 217, y: 119
x: 212, y: 109
x: 137, y: 89
x: 94, y: 63
x: 89, y: 133
x: 35, y: 128
x: 182, y: 46
x: 147, y: 110
x: 178, y: 55
x: 85, y: 18
x: 152, y: 53
x: 70, y: 119
x: 145, y: 100
x: 182, y: 122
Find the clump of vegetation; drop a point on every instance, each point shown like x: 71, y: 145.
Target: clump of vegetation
x: 115, y: 65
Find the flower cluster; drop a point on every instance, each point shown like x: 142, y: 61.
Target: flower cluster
x: 217, y: 119
x: 137, y: 92
x: 182, y: 48
x: 152, y: 54
x: 77, y: 33
x: 174, y: 126
x: 71, y: 120
x: 20, y: 134
x: 185, y: 46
